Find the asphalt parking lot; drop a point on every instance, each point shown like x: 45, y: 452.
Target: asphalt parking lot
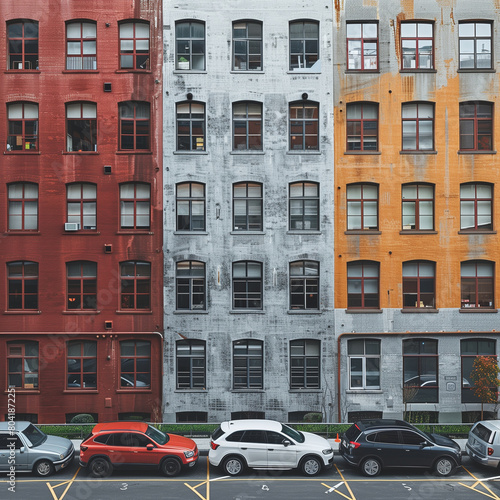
x: 208, y: 483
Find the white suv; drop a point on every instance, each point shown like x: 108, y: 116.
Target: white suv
x: 266, y: 444
x: 483, y: 444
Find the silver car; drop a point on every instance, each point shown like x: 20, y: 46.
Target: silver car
x: 25, y: 448
x: 483, y: 445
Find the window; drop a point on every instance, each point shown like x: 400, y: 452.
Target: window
x: 247, y: 206
x: 363, y: 285
x: 304, y: 285
x: 247, y: 46
x: 135, y: 205
x: 304, y: 206
x: 82, y: 204
x: 362, y: 126
x: 81, y: 45
x: 418, y: 207
x: 476, y: 126
x: 191, y: 126
x: 364, y: 363
x: 247, y: 126
x: 23, y: 126
x: 417, y: 45
x: 134, y: 45
x: 190, y: 206
x: 419, y: 284
x: 476, y: 202
x: 477, y: 284
x: 191, y: 417
x: 81, y: 364
x: 23, y: 285
x: 190, y: 282
x: 81, y: 124
x: 475, y: 45
x: 469, y: 350
x: 23, y: 44
x: 22, y: 362
x: 420, y: 371
x: 418, y: 126
x: 304, y: 44
x: 247, y: 285
x: 134, y: 126
x: 248, y: 364
x: 135, y: 364
x: 23, y: 206
x: 362, y: 46
x: 304, y: 364
x: 82, y: 285
x: 190, y: 45
x: 135, y: 285
x: 304, y: 126
x: 191, y: 364
x: 362, y: 207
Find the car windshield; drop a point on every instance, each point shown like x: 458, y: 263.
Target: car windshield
x: 35, y: 436
x: 156, y: 435
x: 295, y: 435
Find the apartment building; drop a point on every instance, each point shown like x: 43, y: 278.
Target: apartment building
x: 248, y: 210
x: 416, y: 175
x: 81, y: 225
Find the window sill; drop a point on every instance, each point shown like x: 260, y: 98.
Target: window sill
x: 304, y: 311
x: 80, y: 391
x: 419, y: 310
x: 146, y: 232
x: 22, y: 152
x: 190, y: 311
x: 477, y: 70
x: 363, y: 311
x: 417, y: 231
x: 303, y: 231
x: 305, y: 390
x: 477, y: 310
x: 247, y: 71
x: 17, y: 71
x: 247, y: 152
x: 418, y: 70
x: 304, y: 71
x: 418, y: 152
x: 22, y: 311
x: 462, y: 152
x: 20, y: 390
x: 133, y: 152
x: 79, y: 71
x: 132, y: 70
x: 82, y: 232
x: 190, y: 71
x: 311, y: 152
x: 364, y: 391
x: 361, y: 71
x: 247, y: 233
x: 243, y: 391
x: 362, y: 231
x: 22, y: 233
x: 191, y: 391
x: 134, y: 389
x: 132, y: 311
x: 77, y: 312
x: 476, y: 231
x: 194, y: 153
x: 194, y: 233
x: 247, y: 311
x: 362, y: 153
x: 95, y: 153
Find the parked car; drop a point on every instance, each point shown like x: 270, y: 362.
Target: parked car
x: 373, y: 445
x: 267, y: 444
x: 138, y: 445
x: 483, y: 444
x: 28, y: 449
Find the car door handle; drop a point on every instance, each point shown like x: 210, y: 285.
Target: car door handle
x: 244, y: 448
x: 407, y: 450
x: 270, y: 449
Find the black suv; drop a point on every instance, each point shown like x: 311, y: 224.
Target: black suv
x: 374, y: 444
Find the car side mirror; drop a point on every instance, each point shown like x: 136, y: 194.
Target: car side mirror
x: 149, y: 447
x: 286, y: 442
x: 22, y: 449
x: 423, y: 444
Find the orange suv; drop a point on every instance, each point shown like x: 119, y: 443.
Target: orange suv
x: 137, y: 445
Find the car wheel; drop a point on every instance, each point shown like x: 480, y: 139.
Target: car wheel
x: 371, y: 467
x: 44, y: 468
x: 100, y: 467
x: 311, y: 466
x: 170, y: 467
x: 444, y: 466
x: 233, y: 466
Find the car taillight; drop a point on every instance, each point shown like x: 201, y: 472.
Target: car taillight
x: 213, y: 445
x: 490, y: 451
x: 83, y: 448
x: 354, y: 444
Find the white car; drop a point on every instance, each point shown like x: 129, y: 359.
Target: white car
x: 267, y: 444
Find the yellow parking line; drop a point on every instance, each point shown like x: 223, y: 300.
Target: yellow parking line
x: 482, y: 483
x: 69, y: 483
x: 346, y: 484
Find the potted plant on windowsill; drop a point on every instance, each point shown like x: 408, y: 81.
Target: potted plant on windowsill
x: 182, y: 63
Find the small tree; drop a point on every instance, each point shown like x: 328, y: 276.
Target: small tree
x: 484, y: 376
x: 409, y: 394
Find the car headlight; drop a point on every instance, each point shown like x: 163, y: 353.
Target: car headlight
x: 189, y: 454
x: 61, y: 456
x: 327, y: 452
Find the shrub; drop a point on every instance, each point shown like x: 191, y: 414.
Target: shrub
x: 82, y: 418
